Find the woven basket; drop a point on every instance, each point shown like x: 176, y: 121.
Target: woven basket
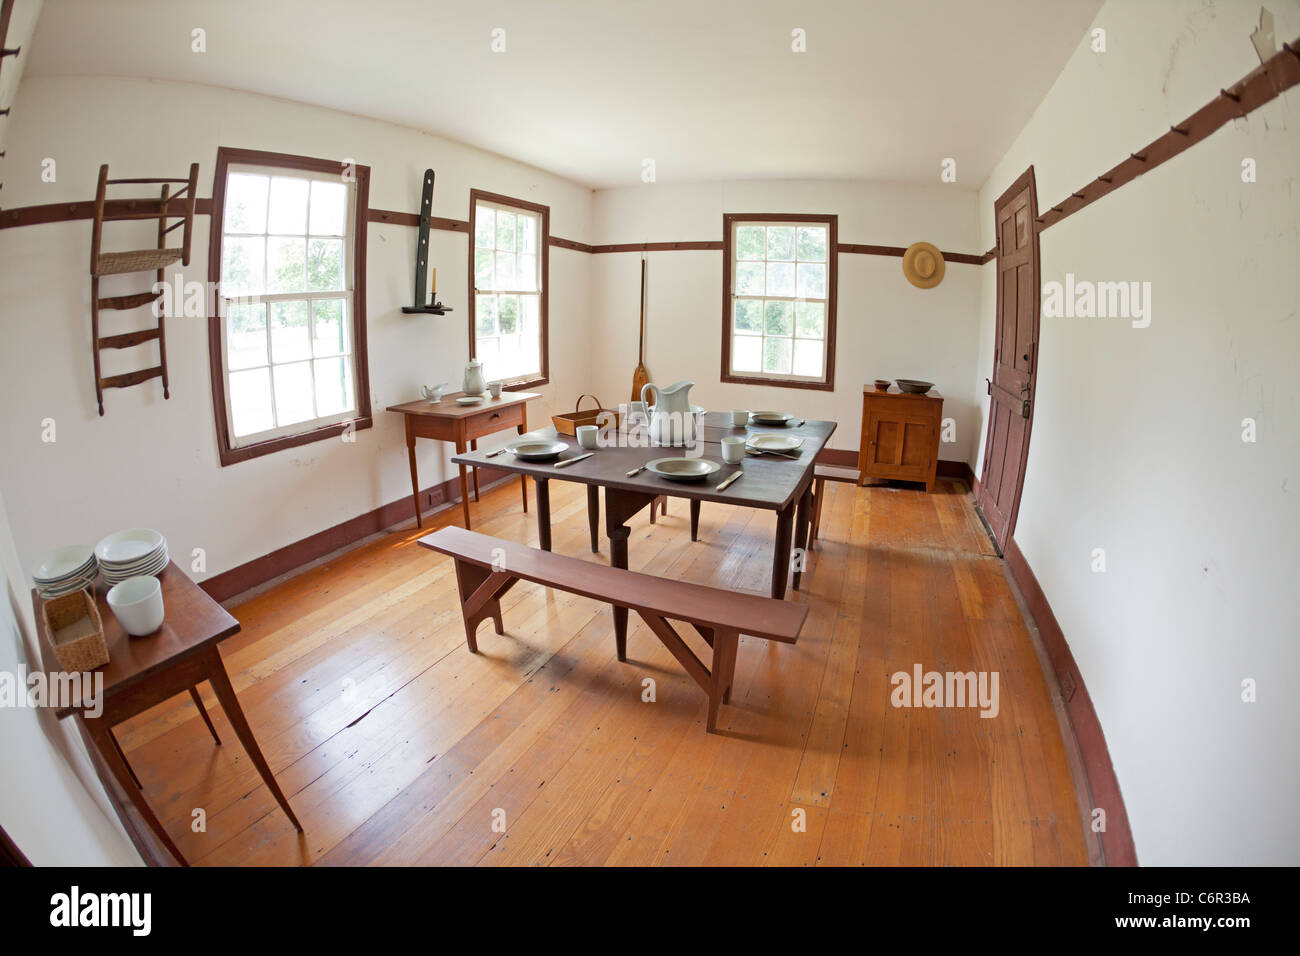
x: 566, y: 423
x: 76, y: 632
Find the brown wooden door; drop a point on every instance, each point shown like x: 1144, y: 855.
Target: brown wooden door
x: 1015, y: 358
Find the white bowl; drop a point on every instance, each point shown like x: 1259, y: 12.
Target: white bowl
x: 137, y: 604
x: 125, y: 547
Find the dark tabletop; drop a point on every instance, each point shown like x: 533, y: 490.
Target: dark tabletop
x: 770, y: 482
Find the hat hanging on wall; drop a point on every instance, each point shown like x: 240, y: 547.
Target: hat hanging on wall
x: 923, y: 265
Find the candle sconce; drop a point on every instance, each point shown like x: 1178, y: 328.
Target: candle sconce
x: 432, y: 306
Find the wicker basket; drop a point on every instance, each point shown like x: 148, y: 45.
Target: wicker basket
x: 76, y: 632
x: 567, y: 423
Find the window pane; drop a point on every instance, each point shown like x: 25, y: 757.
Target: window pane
x: 778, y: 318
x: 527, y: 235
x: 485, y: 228
x: 776, y: 356
x: 286, y: 264
x: 746, y: 353
x: 290, y: 338
x: 245, y: 203
x: 530, y: 319
x: 329, y: 216
x: 250, y: 401
x: 485, y: 315
x: 749, y: 315
x: 243, y: 267
x: 780, y: 278
x: 508, y: 314
x: 812, y: 280
x: 505, y: 272
x: 246, y: 335
x: 812, y: 243
x: 749, y: 278
x: 751, y: 242
x: 333, y: 386
x: 780, y: 242
x: 527, y: 275
x: 288, y: 210
x: 293, y: 393
x: 329, y: 334
x: 810, y: 319
x: 325, y: 265
x: 808, y: 357
x: 482, y: 269
x: 506, y: 231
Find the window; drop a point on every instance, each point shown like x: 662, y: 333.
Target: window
x: 508, y: 266
x: 779, y: 281
x: 288, y: 341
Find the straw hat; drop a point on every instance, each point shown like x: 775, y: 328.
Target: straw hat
x: 923, y: 265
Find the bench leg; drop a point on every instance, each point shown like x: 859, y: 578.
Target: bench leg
x: 722, y: 675
x: 480, y: 598
x: 819, y: 490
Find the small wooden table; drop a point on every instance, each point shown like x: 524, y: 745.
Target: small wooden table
x: 770, y: 483
x: 462, y: 425
x: 144, y: 671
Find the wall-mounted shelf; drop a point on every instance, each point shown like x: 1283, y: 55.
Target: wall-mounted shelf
x: 432, y: 307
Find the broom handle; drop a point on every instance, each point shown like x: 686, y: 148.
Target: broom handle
x: 641, y: 342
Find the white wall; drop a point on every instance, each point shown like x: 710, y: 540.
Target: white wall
x: 886, y: 327
x: 154, y: 462
x: 1137, y: 446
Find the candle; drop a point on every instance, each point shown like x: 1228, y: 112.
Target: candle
x: 435, y: 285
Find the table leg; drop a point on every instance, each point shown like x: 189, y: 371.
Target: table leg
x: 781, y: 551
x: 543, y: 486
x: 220, y: 681
x: 801, y: 524
x: 464, y: 484
x: 102, y: 737
x: 113, y: 737
x: 415, y: 478
x: 473, y: 446
x: 593, y: 516
x: 695, y: 519
x: 523, y: 479
x: 203, y: 712
x: 619, y: 506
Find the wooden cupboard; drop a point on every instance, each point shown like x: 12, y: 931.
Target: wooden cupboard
x: 900, y: 435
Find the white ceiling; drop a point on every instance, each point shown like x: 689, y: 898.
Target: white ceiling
x: 708, y: 89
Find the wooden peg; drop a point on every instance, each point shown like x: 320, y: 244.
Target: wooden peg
x: 1180, y: 132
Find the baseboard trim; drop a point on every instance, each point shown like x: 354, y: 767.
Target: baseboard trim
x: 848, y: 458
x: 1104, y: 792
x: 251, y: 574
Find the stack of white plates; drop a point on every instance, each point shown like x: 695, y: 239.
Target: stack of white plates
x: 66, y: 570
x: 124, y: 554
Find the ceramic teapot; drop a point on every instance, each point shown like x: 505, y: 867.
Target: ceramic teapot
x: 475, y: 383
x: 672, y: 421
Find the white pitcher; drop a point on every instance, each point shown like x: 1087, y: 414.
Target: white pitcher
x: 475, y: 383
x: 671, y: 422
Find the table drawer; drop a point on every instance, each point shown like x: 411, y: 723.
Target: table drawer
x: 494, y: 420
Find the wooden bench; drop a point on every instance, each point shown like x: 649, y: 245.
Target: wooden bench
x: 821, y: 475
x: 487, y: 567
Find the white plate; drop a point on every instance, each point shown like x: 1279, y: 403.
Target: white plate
x: 469, y: 399
x: 123, y: 547
x: 537, y: 449
x: 773, y: 442
x: 140, y: 567
x: 683, y: 469
x: 63, y: 563
x: 771, y: 418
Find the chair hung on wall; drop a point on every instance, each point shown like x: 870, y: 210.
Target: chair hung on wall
x: 143, y: 260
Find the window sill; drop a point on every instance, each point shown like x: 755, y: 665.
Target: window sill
x: 778, y: 382
x: 231, y: 456
x: 524, y: 386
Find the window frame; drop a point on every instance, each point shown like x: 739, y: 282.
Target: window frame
x: 229, y: 452
x: 729, y: 224
x: 544, y: 254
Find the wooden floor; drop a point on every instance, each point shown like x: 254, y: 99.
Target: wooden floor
x: 397, y: 746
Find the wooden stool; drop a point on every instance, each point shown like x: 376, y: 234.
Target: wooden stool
x: 821, y: 475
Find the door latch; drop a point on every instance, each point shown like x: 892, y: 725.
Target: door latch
x: 1024, y: 408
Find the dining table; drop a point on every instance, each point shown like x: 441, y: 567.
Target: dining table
x: 769, y: 482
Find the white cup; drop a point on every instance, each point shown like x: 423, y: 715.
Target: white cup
x: 733, y: 449
x: 739, y: 418
x: 137, y: 604
x: 494, y: 389
x: 587, y: 435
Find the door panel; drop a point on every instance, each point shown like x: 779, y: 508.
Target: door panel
x: 1015, y: 359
